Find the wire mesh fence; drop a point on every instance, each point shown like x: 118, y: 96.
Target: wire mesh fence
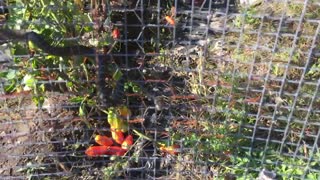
x: 166, y: 89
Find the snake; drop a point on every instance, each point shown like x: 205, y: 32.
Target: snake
x: 7, y: 35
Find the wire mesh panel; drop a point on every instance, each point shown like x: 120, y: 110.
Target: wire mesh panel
x: 162, y: 89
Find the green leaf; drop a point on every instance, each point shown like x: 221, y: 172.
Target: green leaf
x: 312, y: 176
x: 10, y: 87
x: 38, y: 100
x: 142, y: 135
x: 77, y: 99
x: 69, y: 84
x: 11, y: 74
x: 117, y: 75
x: 3, y: 74
x: 42, y: 88
x: 82, y: 111
x: 91, y: 102
x: 29, y: 80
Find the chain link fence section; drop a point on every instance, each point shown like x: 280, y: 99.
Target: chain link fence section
x: 208, y: 89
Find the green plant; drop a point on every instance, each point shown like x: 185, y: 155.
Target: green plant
x: 115, y: 168
x: 32, y: 169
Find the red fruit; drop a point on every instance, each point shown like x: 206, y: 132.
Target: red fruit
x: 127, y: 142
x: 170, y: 20
x: 105, y: 150
x: 103, y: 140
x: 117, y: 136
x: 97, y: 150
x: 116, y: 150
x: 116, y: 33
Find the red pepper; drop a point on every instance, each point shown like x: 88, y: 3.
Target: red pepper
x: 103, y: 140
x: 117, y: 136
x: 170, y: 20
x: 105, y: 150
x: 127, y: 142
x: 97, y: 150
x: 116, y: 33
x: 116, y: 150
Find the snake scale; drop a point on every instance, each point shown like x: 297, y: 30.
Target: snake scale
x: 117, y: 93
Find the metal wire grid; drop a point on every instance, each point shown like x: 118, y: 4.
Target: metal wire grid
x: 264, y: 143
x: 260, y: 137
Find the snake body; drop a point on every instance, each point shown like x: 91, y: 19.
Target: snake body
x: 58, y: 51
x: 7, y: 35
